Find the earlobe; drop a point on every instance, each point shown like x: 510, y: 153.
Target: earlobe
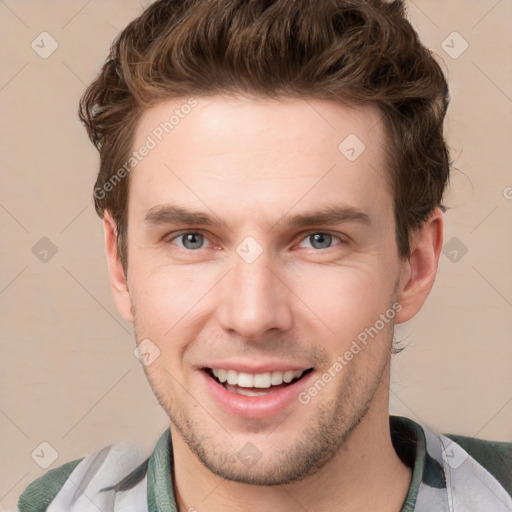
x: 118, y: 282
x: 419, y: 271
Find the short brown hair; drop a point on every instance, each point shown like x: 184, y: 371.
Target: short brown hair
x: 353, y: 51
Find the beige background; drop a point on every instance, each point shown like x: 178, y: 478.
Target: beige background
x: 68, y: 373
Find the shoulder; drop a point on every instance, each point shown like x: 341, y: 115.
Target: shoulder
x: 40, y: 493
x: 494, y: 456
x: 111, y: 469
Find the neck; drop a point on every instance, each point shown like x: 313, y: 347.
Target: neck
x: 366, y: 474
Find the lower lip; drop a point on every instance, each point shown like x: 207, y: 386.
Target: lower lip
x: 258, y: 407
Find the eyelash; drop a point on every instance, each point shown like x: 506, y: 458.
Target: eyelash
x: 305, y: 236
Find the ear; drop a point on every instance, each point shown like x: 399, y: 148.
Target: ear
x: 118, y: 282
x: 418, y: 271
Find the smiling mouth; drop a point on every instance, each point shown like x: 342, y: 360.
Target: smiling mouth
x: 247, y: 384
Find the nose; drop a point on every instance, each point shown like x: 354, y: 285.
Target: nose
x: 254, y: 299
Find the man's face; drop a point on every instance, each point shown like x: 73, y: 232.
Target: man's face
x: 261, y: 289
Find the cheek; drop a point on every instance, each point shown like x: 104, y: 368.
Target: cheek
x: 344, y: 300
x: 168, y: 298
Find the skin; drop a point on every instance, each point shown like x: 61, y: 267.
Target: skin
x: 251, y: 162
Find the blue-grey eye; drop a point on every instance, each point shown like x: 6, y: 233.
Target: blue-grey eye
x: 192, y: 240
x: 320, y: 240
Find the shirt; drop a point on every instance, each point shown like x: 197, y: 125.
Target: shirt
x: 450, y: 473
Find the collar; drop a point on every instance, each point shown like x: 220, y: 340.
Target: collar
x: 407, y: 436
x: 445, y: 477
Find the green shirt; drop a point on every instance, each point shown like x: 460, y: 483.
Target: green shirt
x: 450, y: 473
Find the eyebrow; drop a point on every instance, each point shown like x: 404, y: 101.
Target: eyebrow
x: 334, y: 214
x: 172, y: 214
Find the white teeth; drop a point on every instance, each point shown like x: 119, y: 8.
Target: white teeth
x: 258, y: 380
x: 288, y: 376
x: 231, y: 376
x: 245, y: 380
x: 262, y: 380
x: 276, y: 378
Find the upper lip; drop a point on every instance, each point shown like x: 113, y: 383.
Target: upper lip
x: 242, y: 366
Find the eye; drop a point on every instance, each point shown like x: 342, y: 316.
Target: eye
x: 190, y: 240
x: 320, y: 240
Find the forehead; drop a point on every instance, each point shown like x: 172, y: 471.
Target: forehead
x: 258, y: 152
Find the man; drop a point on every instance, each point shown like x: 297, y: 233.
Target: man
x: 270, y: 187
